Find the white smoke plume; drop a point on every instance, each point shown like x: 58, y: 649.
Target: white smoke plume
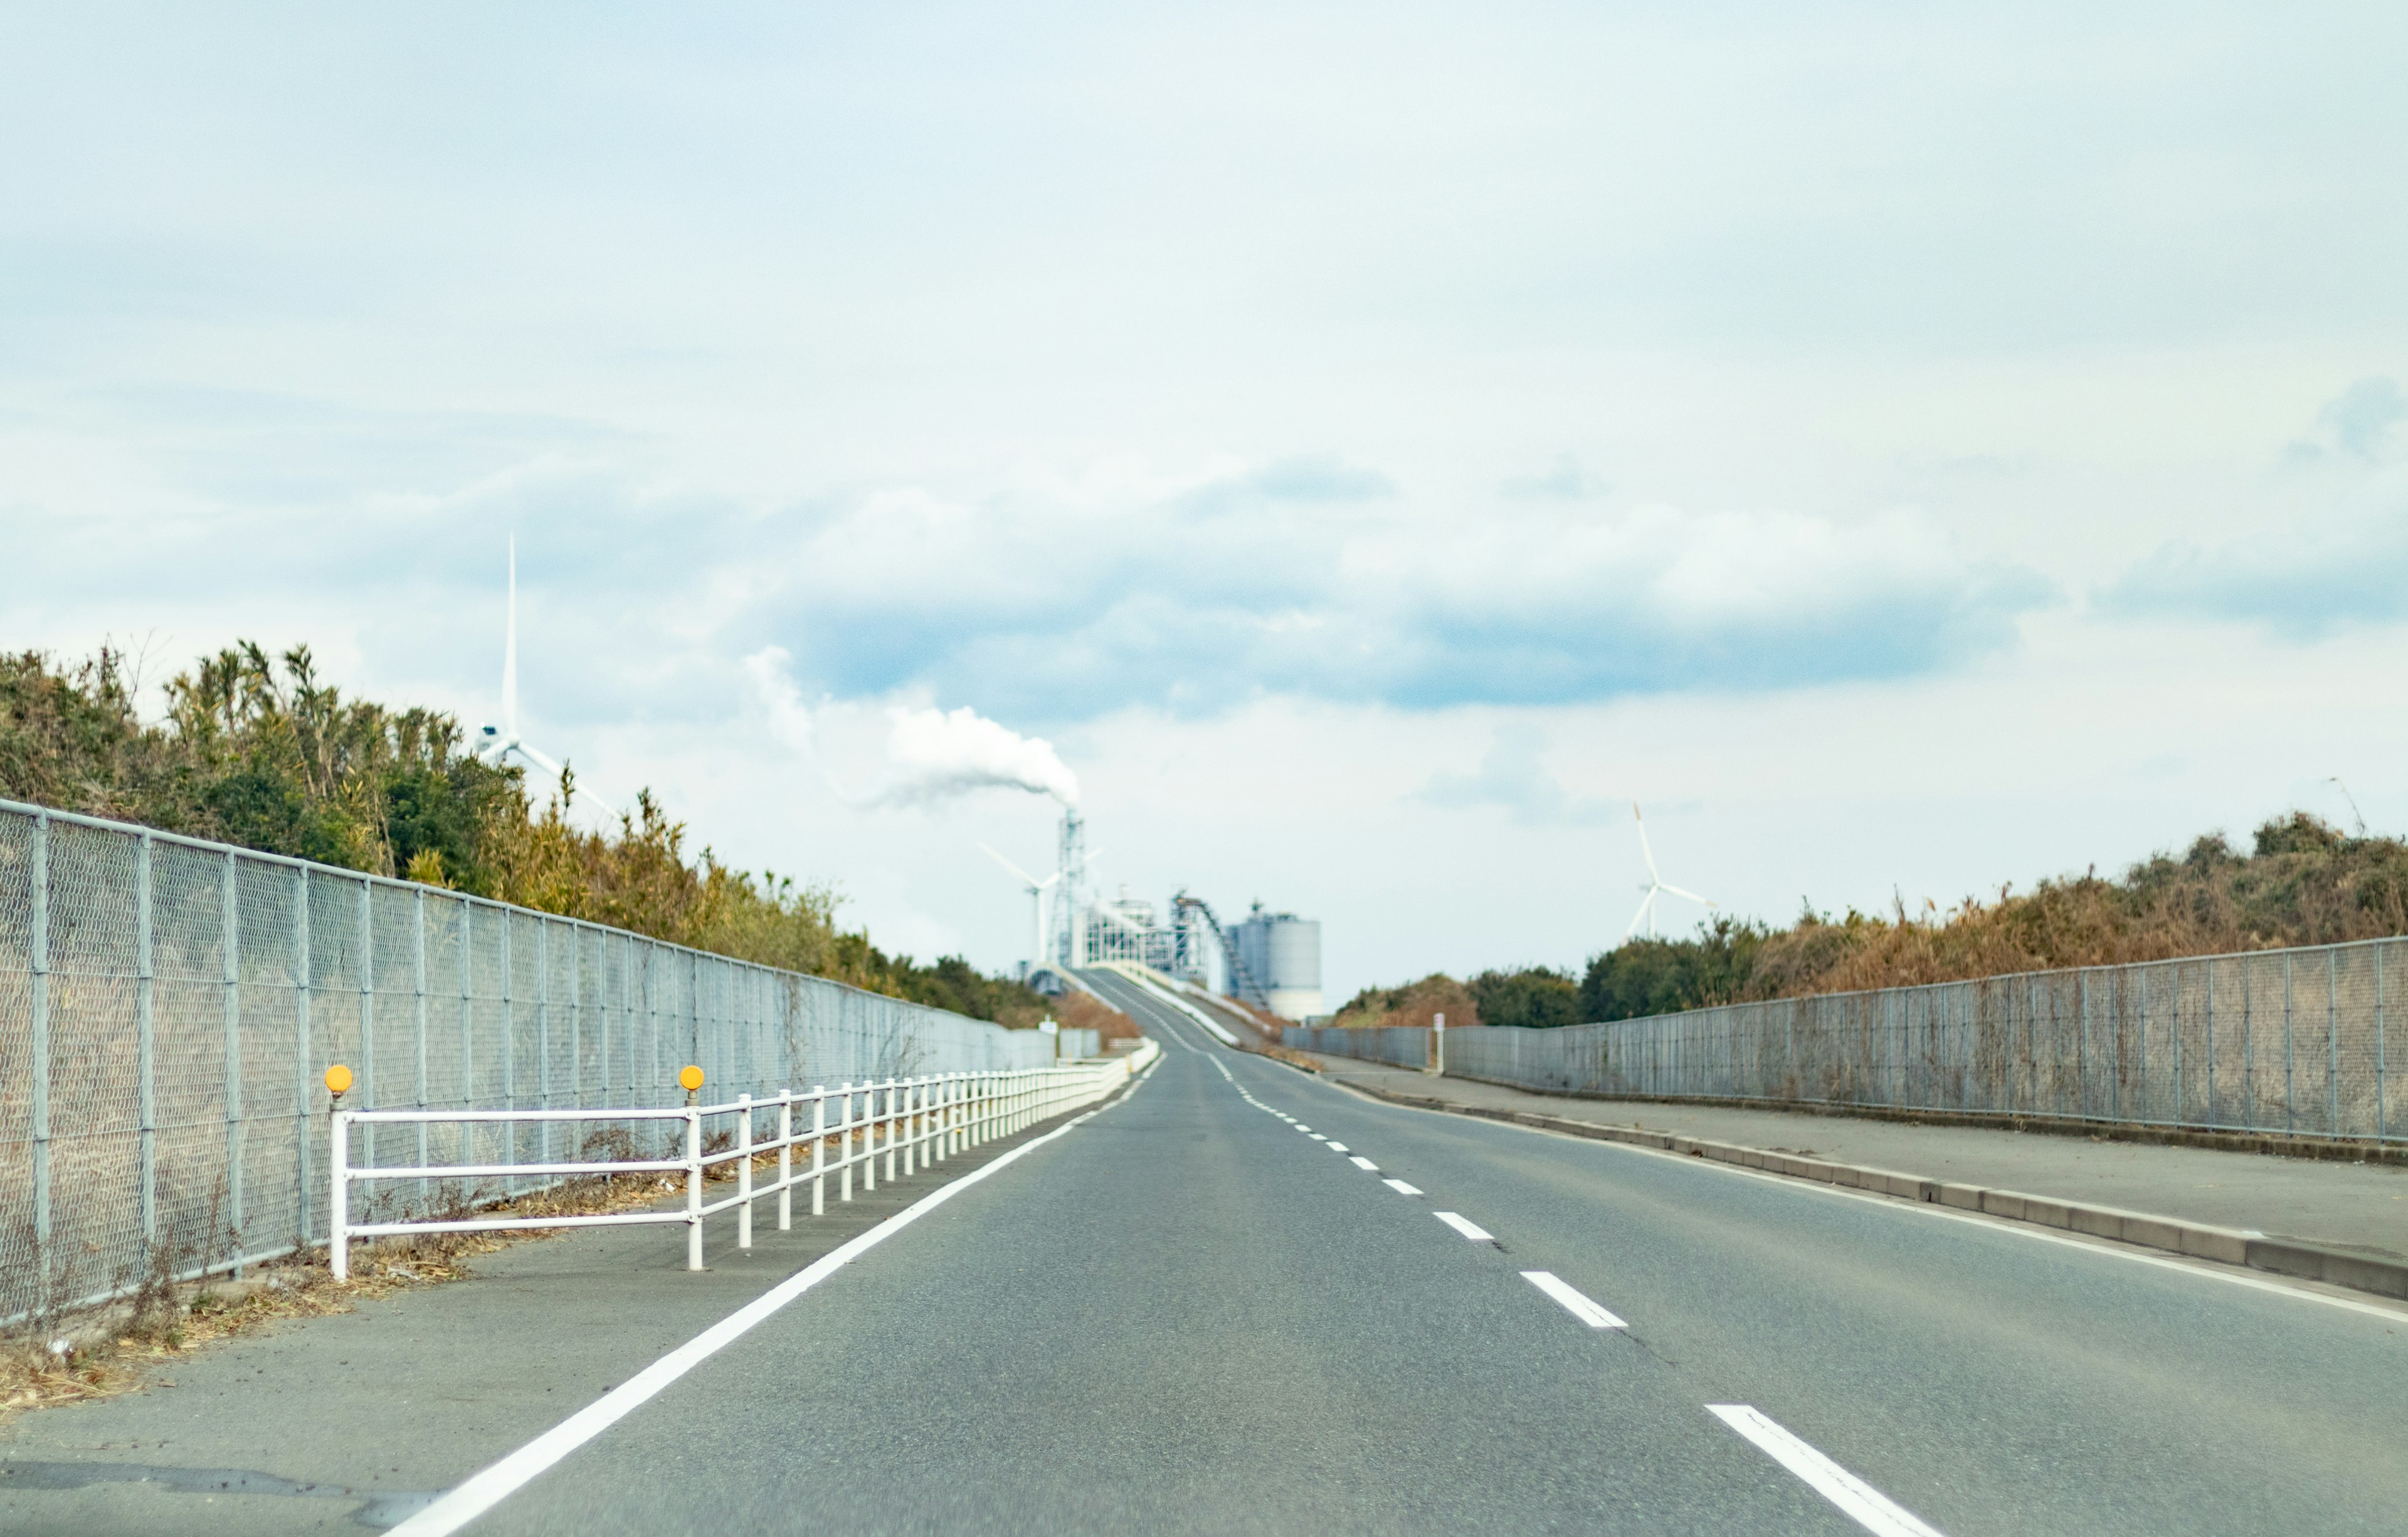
x: 938, y: 753
x: 789, y: 720
x: 932, y: 754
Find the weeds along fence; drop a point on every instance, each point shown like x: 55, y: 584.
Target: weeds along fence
x: 2274, y: 1042
x: 168, y: 1008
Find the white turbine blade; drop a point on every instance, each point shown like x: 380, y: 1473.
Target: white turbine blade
x: 1091, y: 858
x: 1031, y: 880
x: 1703, y: 901
x: 1646, y: 852
x: 1047, y: 882
x: 539, y: 759
x: 510, y: 651
x: 1646, y: 905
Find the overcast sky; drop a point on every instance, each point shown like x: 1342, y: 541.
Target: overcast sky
x: 1906, y: 449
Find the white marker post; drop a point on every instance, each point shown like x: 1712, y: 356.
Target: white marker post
x: 1437, y: 1046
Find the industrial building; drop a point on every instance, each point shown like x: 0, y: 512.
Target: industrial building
x: 1271, y: 960
x: 1279, y: 963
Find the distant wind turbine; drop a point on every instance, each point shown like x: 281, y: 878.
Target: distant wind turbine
x: 1036, y: 890
x: 499, y: 742
x: 1654, y: 887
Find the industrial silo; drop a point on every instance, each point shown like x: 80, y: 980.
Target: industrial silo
x: 1281, y: 956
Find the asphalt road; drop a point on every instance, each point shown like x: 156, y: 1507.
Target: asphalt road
x: 1190, y: 1314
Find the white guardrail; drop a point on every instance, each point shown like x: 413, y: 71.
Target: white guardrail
x: 909, y: 1122
x: 1153, y: 982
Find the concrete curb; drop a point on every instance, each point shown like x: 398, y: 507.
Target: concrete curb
x: 2381, y: 1275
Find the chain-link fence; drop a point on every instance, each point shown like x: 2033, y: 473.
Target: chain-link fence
x: 2283, y: 1043
x: 168, y: 1008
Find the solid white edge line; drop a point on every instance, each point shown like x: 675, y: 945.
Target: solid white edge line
x: 1465, y: 1225
x: 1862, y: 1503
x: 2106, y: 1248
x: 1361, y: 1162
x: 1193, y: 1013
x: 489, y: 1486
x: 1401, y: 1188
x: 1588, y: 1310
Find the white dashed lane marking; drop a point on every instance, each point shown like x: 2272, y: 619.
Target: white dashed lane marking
x: 1467, y: 1228
x: 1579, y: 1307
x: 1362, y: 1162
x: 1401, y: 1188
x: 1863, y: 1505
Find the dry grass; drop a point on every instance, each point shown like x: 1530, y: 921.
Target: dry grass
x: 1085, y: 1012
x: 165, y: 1323
x: 2304, y: 883
x: 1417, y: 1003
x: 1278, y: 1052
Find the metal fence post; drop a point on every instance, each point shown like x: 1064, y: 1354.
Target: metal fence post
x: 301, y: 1054
x: 509, y: 1039
x: 2247, y: 1050
x: 146, y: 1050
x: 367, y: 1076
x: 2144, y: 973
x: 2031, y: 1042
x: 2333, y: 1043
x: 39, y: 962
x: 576, y: 935
x: 229, y: 940
x: 543, y: 1035
x: 2290, y: 1083
x: 2381, y: 1127
x: 627, y: 1017
x: 467, y: 1009
x: 601, y: 1010
x: 418, y: 991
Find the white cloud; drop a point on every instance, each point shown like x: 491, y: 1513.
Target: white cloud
x: 1210, y: 391
x: 779, y: 698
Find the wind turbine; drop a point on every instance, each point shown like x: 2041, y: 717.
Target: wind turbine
x: 499, y: 742
x: 1036, y: 890
x: 1655, y: 885
x: 1036, y: 905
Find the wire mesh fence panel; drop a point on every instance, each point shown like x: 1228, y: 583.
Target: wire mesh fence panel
x: 168, y: 1009
x: 2281, y: 1042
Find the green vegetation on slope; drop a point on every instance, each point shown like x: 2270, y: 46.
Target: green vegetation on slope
x: 2302, y: 882
x: 267, y: 756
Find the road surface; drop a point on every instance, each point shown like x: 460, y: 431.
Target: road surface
x: 1242, y: 1300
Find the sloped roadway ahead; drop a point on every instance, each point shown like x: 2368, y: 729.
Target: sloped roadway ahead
x: 1191, y: 1314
